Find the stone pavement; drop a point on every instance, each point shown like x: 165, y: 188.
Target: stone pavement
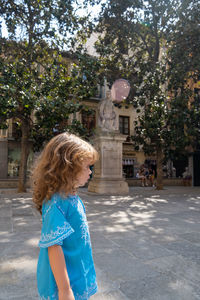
x: 146, y: 245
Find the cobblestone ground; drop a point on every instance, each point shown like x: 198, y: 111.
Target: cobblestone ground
x: 146, y: 245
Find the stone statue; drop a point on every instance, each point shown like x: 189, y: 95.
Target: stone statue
x: 107, y: 116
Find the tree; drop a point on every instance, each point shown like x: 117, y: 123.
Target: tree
x: 184, y: 73
x: 135, y: 39
x: 20, y: 95
x: 33, y: 27
x: 63, y: 94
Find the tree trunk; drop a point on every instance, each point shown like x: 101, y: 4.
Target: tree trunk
x: 159, y: 159
x: 24, y: 156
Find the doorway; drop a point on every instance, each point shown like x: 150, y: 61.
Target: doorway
x: 196, y: 170
x: 180, y: 165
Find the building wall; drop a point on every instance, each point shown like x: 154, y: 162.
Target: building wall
x: 132, y: 160
x: 3, y: 158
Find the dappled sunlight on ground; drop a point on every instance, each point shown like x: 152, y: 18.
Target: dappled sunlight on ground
x: 145, y: 240
x: 32, y: 242
x: 155, y: 199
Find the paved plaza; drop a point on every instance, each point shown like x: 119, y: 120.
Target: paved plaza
x: 146, y: 245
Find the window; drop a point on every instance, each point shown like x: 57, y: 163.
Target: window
x: 100, y: 91
x: 128, y: 168
x: 89, y: 120
x: 16, y: 131
x: 3, y: 133
x: 124, y: 125
x: 197, y: 95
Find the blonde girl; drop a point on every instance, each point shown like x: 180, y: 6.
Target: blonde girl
x: 65, y: 268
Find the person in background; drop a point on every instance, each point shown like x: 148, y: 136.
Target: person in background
x: 187, y: 177
x: 152, y: 177
x: 142, y: 176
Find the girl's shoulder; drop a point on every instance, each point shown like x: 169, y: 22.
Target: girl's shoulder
x: 60, y: 201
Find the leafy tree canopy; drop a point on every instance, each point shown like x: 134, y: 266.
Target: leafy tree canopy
x: 44, y: 19
x: 153, y: 44
x: 37, y: 80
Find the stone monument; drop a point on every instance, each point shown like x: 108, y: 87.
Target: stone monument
x: 107, y: 175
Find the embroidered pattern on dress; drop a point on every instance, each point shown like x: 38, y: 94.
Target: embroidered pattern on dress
x: 48, y: 209
x: 54, y: 201
x: 56, y: 236
x: 75, y: 201
x: 60, y: 208
x: 85, y: 233
x: 48, y: 298
x: 92, y: 290
x: 85, y: 296
x: 52, y: 297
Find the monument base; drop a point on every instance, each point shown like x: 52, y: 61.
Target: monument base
x: 109, y: 187
x: 108, y: 174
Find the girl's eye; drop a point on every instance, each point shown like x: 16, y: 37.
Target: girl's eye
x: 87, y: 167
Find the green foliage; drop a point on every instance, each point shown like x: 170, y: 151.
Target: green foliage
x: 183, y: 44
x: 154, y: 45
x: 84, y: 75
x: 56, y: 21
x: 35, y: 79
x: 17, y: 88
x: 37, y: 85
x: 51, y: 95
x: 150, y: 126
x: 183, y: 73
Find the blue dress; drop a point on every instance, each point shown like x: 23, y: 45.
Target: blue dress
x: 64, y: 223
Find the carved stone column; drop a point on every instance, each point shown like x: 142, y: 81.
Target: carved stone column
x: 107, y: 175
x: 3, y: 158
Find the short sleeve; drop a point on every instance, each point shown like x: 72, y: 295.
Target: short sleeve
x: 55, y: 227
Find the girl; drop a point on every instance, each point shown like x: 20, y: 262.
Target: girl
x: 65, y: 268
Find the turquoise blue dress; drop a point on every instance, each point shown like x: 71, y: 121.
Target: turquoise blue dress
x: 64, y: 223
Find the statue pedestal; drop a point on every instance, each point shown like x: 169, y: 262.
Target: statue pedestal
x: 107, y: 175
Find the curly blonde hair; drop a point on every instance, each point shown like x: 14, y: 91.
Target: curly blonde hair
x: 58, y: 166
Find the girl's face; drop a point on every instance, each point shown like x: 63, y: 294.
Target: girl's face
x: 84, y: 175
